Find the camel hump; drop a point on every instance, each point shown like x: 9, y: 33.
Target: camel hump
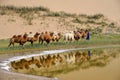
x: 14, y: 36
x: 19, y: 36
x: 51, y: 33
x: 36, y: 34
x: 46, y: 32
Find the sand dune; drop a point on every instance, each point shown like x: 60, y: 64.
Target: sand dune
x: 110, y: 8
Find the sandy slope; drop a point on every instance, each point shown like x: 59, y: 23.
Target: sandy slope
x: 110, y: 8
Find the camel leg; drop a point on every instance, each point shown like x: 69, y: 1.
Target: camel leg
x: 32, y: 43
x: 9, y: 44
x: 42, y: 42
x: 39, y: 41
x: 13, y: 44
x: 48, y: 41
x: 57, y: 40
x: 22, y: 44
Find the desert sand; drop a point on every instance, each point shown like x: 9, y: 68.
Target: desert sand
x: 110, y: 9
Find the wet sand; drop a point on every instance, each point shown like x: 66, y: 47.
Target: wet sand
x: 5, y: 75
x: 109, y: 72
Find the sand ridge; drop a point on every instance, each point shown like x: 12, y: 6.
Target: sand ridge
x: 109, y: 8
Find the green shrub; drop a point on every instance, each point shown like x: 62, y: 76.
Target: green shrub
x: 82, y: 15
x: 112, y: 25
x: 90, y: 21
x: 2, y: 12
x: 97, y: 16
x: 76, y: 20
x: 102, y: 23
x: 53, y: 14
x: 24, y: 9
x: 97, y: 30
x: 56, y: 14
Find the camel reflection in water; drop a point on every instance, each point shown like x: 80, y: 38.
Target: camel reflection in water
x: 82, y: 56
x: 46, y: 61
x: 53, y: 64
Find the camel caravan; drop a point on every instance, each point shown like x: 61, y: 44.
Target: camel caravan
x: 49, y: 37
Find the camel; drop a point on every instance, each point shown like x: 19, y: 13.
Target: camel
x: 69, y: 36
x: 77, y: 35
x: 84, y: 34
x: 80, y: 34
x: 18, y: 39
x: 34, y: 38
x: 56, y: 36
x: 47, y: 36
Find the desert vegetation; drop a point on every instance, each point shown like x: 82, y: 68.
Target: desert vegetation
x: 61, y: 19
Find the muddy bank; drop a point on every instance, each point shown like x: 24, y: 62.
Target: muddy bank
x: 5, y: 75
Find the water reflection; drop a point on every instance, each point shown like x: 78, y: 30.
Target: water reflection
x: 52, y: 64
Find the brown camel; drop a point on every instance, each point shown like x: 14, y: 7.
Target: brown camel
x: 77, y: 35
x: 34, y: 38
x: 18, y: 39
x: 80, y: 34
x: 56, y: 37
x: 47, y: 36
